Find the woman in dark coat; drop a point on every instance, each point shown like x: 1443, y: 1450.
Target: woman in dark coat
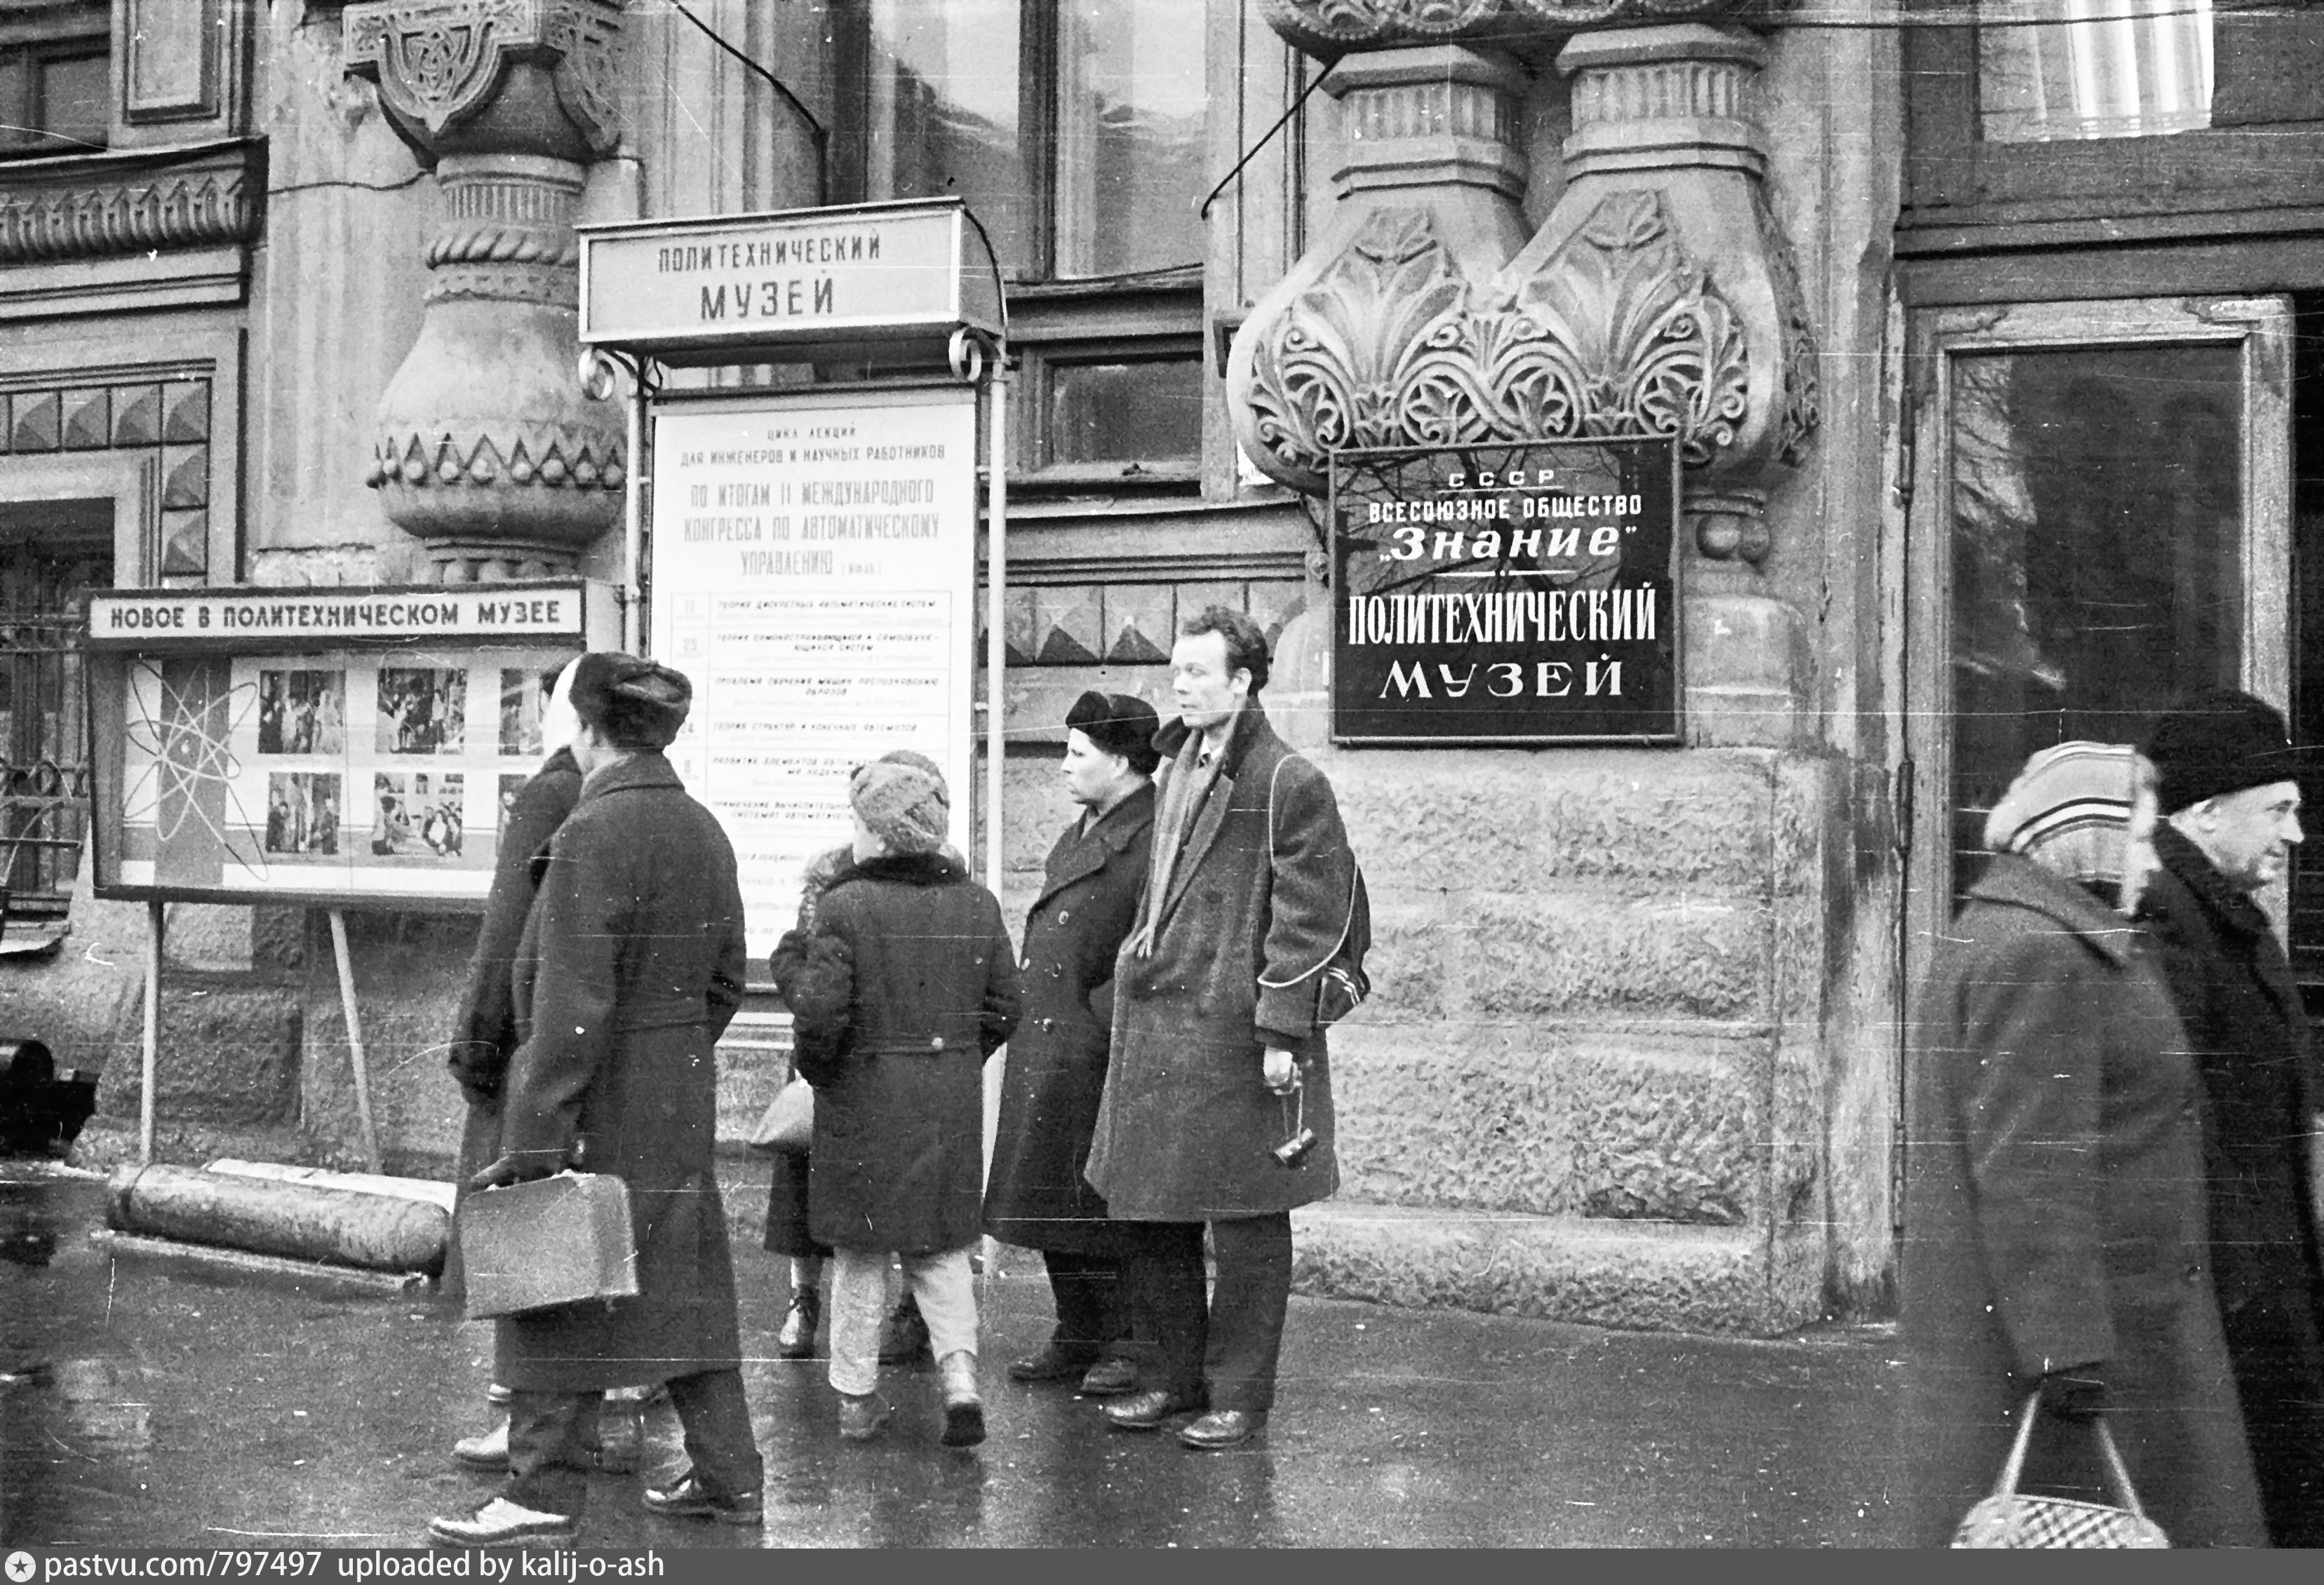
x: 2055, y: 1233
x: 907, y: 986
x: 1035, y: 1196
x: 631, y: 968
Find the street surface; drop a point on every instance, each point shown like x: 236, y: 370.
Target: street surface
x: 162, y: 1404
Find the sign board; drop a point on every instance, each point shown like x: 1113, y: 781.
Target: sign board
x: 716, y: 290
x: 333, y: 746
x: 813, y: 572
x: 1505, y: 594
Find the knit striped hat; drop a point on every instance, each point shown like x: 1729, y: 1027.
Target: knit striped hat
x: 2075, y: 787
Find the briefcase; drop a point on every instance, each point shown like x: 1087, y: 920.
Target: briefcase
x: 554, y: 1240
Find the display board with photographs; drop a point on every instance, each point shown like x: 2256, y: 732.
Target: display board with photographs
x: 243, y: 775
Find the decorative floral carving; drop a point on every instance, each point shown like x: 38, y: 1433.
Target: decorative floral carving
x: 551, y: 456
x: 1620, y: 333
x: 1331, y: 28
x: 93, y: 216
x: 1803, y: 388
x: 438, y: 62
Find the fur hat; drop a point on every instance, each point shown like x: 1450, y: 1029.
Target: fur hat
x: 637, y: 704
x: 2220, y: 741
x: 2069, y: 807
x: 901, y: 798
x: 1120, y: 724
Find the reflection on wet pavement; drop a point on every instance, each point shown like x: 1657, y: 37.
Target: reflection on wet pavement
x: 160, y: 1404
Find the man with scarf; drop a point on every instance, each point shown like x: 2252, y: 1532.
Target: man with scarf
x: 1218, y: 1063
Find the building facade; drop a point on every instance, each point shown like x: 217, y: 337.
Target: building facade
x: 1982, y: 330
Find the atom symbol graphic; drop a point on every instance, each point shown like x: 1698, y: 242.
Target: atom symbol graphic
x: 184, y: 757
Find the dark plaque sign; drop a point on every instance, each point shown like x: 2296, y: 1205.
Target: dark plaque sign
x: 1505, y: 594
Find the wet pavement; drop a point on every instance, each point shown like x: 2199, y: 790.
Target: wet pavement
x: 160, y: 1403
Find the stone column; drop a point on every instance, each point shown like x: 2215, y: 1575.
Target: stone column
x: 1658, y: 296
x: 487, y: 450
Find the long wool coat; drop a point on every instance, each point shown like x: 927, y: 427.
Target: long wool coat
x: 484, y: 1028
x: 2244, y: 1023
x: 2055, y: 1216
x: 906, y: 987
x: 632, y: 966
x: 1259, y: 902
x: 1035, y: 1195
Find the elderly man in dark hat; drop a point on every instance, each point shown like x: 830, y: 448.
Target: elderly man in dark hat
x: 2055, y: 1171
x: 630, y: 968
x: 2228, y: 790
x: 1035, y: 1196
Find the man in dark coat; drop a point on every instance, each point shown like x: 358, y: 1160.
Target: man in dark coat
x: 2225, y: 768
x: 1035, y: 1196
x: 905, y: 988
x: 2054, y: 1227
x: 484, y: 1036
x: 630, y: 967
x: 1217, y: 1058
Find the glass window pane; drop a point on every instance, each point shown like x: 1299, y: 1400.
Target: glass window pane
x: 77, y: 100
x: 943, y: 113
x: 1130, y: 111
x: 1147, y: 412
x: 2097, y: 551
x: 2094, y: 68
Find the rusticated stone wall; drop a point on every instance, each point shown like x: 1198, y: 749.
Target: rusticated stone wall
x: 1587, y: 1083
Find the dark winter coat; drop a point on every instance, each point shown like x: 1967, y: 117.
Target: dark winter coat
x: 2054, y: 1217
x: 907, y: 986
x: 1035, y: 1195
x: 484, y: 1028
x: 632, y: 965
x: 1257, y: 904
x: 2234, y: 993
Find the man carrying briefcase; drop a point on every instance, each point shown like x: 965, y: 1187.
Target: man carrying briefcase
x: 630, y: 967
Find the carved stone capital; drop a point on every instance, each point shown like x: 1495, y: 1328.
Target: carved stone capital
x: 507, y: 75
x: 1331, y: 28
x: 1659, y: 296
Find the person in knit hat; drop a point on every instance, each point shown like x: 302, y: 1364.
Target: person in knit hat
x: 2073, y: 804
x: 2227, y: 777
x: 2054, y: 1207
x: 901, y: 988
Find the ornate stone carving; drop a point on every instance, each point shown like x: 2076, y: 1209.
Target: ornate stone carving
x: 1621, y: 335
x: 488, y: 447
x: 443, y: 63
x: 92, y: 207
x: 1329, y: 28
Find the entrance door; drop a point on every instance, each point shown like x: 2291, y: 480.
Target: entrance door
x: 53, y: 555
x: 2100, y: 520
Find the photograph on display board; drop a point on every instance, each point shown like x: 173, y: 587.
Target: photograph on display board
x: 302, y: 813
x: 302, y: 712
x: 417, y: 816
x: 524, y: 702
x: 422, y: 710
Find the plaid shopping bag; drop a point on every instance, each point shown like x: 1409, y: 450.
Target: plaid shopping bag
x: 2009, y: 1519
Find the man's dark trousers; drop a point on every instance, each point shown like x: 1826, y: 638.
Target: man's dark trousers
x: 1230, y: 1342
x: 552, y: 1438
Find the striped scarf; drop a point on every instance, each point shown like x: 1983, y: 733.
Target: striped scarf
x: 1185, y: 785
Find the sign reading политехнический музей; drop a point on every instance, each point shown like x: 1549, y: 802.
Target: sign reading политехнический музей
x: 713, y: 288
x: 1505, y: 594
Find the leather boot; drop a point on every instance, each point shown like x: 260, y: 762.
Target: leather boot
x: 963, y: 1409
